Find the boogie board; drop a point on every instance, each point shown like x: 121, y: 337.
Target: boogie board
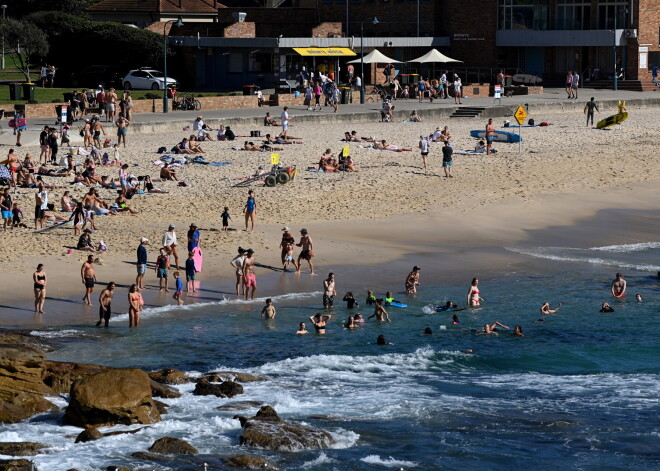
x: 500, y: 136
x: 396, y: 304
x: 48, y: 228
x: 198, y: 258
x: 612, y: 120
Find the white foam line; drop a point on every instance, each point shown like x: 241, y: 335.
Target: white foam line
x: 593, y: 260
x: 628, y: 247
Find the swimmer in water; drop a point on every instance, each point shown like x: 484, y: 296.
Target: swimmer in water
x: 517, y: 331
x: 455, y: 320
x: 638, y: 297
x: 619, y: 286
x: 380, y: 313
x: 428, y: 331
x: 371, y: 299
x: 358, y: 318
x: 473, y: 298
x: 492, y: 328
x: 350, y: 323
x: 545, y: 309
x: 381, y: 340
x: 350, y: 300
x: 301, y: 329
x: 606, y: 308
x: 319, y: 321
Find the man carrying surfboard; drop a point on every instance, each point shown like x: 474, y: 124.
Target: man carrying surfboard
x: 589, y: 110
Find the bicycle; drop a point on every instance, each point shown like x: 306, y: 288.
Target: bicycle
x: 187, y: 103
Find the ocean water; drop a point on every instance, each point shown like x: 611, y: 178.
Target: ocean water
x: 580, y: 391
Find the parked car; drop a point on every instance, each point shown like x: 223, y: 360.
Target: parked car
x: 95, y: 75
x: 147, y: 79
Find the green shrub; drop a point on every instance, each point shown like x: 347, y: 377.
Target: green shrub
x: 33, y: 102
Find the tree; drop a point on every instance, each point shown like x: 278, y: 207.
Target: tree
x: 25, y: 42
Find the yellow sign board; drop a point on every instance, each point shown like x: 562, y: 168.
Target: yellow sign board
x: 324, y: 51
x: 274, y: 159
x: 346, y: 151
x: 520, y: 115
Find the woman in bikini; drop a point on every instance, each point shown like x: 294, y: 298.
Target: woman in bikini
x: 473, y: 298
x: 135, y: 306
x: 545, y: 309
x: 412, y: 280
x: 39, y: 278
x: 319, y: 321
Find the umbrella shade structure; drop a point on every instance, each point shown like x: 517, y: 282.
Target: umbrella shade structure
x: 375, y: 57
x: 434, y: 56
x: 5, y: 173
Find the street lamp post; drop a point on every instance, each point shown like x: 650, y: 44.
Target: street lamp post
x: 615, y: 82
x: 4, y: 9
x: 374, y: 21
x: 177, y: 22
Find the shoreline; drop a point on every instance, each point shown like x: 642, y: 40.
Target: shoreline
x: 454, y: 252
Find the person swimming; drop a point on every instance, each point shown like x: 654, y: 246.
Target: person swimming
x: 605, y: 307
x: 381, y: 340
x: 358, y: 319
x: 371, y: 299
x: 517, y: 331
x: 492, y: 328
x: 350, y: 300
x: 455, y: 320
x: 319, y: 321
x: 545, y: 309
x: 428, y: 331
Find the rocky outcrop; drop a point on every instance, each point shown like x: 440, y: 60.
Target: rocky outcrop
x: 21, y: 448
x: 162, y: 390
x: 247, y: 462
x: 88, y: 435
x: 16, y: 465
x: 169, y: 376
x: 240, y: 405
x: 218, y: 376
x: 173, y: 446
x: 267, y: 430
x: 224, y: 389
x: 60, y: 376
x: 118, y: 396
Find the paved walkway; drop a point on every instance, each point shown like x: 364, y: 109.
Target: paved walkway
x: 174, y: 121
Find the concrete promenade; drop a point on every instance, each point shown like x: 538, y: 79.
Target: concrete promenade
x: 245, y: 119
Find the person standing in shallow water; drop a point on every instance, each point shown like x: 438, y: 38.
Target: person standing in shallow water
x: 104, y: 304
x: 135, y: 306
x: 619, y: 286
x: 39, y: 279
x: 88, y: 276
x: 473, y: 298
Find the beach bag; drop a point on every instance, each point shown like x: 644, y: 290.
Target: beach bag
x: 255, y: 133
x: 82, y: 132
x: 531, y: 122
x: 161, y: 150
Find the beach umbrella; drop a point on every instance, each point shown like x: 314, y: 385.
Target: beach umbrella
x: 434, y: 56
x: 375, y: 57
x: 4, y: 172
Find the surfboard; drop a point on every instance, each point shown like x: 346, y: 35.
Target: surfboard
x: 398, y: 304
x: 48, y: 228
x: 198, y: 258
x: 612, y: 120
x: 500, y: 136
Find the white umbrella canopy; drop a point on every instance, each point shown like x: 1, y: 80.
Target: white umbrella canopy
x: 375, y: 57
x: 434, y: 56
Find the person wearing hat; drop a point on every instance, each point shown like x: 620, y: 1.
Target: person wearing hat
x: 169, y: 242
x: 437, y: 134
x: 249, y: 278
x: 307, y: 250
x: 85, y: 241
x: 412, y: 280
x: 198, y: 123
x: 193, y: 237
x: 287, y: 240
x: 141, y: 262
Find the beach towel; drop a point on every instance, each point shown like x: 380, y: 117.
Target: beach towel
x: 219, y: 164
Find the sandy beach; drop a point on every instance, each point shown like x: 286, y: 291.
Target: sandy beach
x: 388, y: 210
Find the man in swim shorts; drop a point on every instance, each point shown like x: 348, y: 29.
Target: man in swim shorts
x: 104, y: 304
x: 88, y: 278
x: 307, y: 250
x: 249, y: 278
x: 490, y: 135
x: 329, y: 291
x: 619, y: 286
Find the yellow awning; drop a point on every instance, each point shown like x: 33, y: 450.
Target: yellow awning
x: 324, y: 51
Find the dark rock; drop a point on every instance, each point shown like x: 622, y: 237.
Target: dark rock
x: 143, y: 455
x: 15, y: 465
x: 59, y: 376
x: 224, y: 389
x: 218, y: 376
x: 267, y: 430
x: 88, y: 435
x: 161, y: 406
x: 169, y: 376
x: 21, y: 448
x: 162, y: 390
x: 23, y: 406
x: 123, y: 432
x: 239, y: 405
x: 173, y: 446
x: 117, y: 396
x: 247, y: 462
x: 117, y: 468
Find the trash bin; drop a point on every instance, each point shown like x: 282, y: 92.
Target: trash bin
x: 15, y: 91
x: 345, y: 95
x: 508, y: 80
x: 248, y: 90
x: 28, y: 91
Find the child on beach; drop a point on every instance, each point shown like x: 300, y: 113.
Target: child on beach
x: 288, y: 258
x: 269, y: 311
x: 225, y: 219
x: 371, y: 299
x: 17, y: 214
x: 179, y: 288
x: 350, y: 301
x: 190, y: 273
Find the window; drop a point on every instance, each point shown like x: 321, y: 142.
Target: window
x: 258, y: 62
x: 573, y: 14
x: 522, y: 14
x: 612, y: 13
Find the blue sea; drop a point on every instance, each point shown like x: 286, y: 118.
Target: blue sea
x: 579, y: 392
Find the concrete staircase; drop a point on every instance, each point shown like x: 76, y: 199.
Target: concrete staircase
x: 467, y: 112
x: 629, y: 85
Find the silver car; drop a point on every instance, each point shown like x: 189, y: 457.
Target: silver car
x: 146, y: 79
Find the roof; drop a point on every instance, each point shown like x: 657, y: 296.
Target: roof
x: 152, y: 6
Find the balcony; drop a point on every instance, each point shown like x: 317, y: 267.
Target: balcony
x: 559, y: 38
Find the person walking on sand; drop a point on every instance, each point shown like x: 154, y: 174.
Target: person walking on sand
x: 473, y: 298
x: 88, y: 276
x: 162, y: 265
x: 619, y: 286
x: 237, y: 263
x: 250, y: 210
x: 104, y: 304
x: 169, y: 243
x: 424, y: 150
x: 40, y: 281
x: 329, y: 291
x: 307, y: 251
x: 589, y: 110
x: 447, y: 153
x: 412, y: 280
x: 249, y: 278
x: 135, y: 304
x: 284, y: 117
x: 122, y: 124
x: 141, y: 262
x: 490, y: 135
